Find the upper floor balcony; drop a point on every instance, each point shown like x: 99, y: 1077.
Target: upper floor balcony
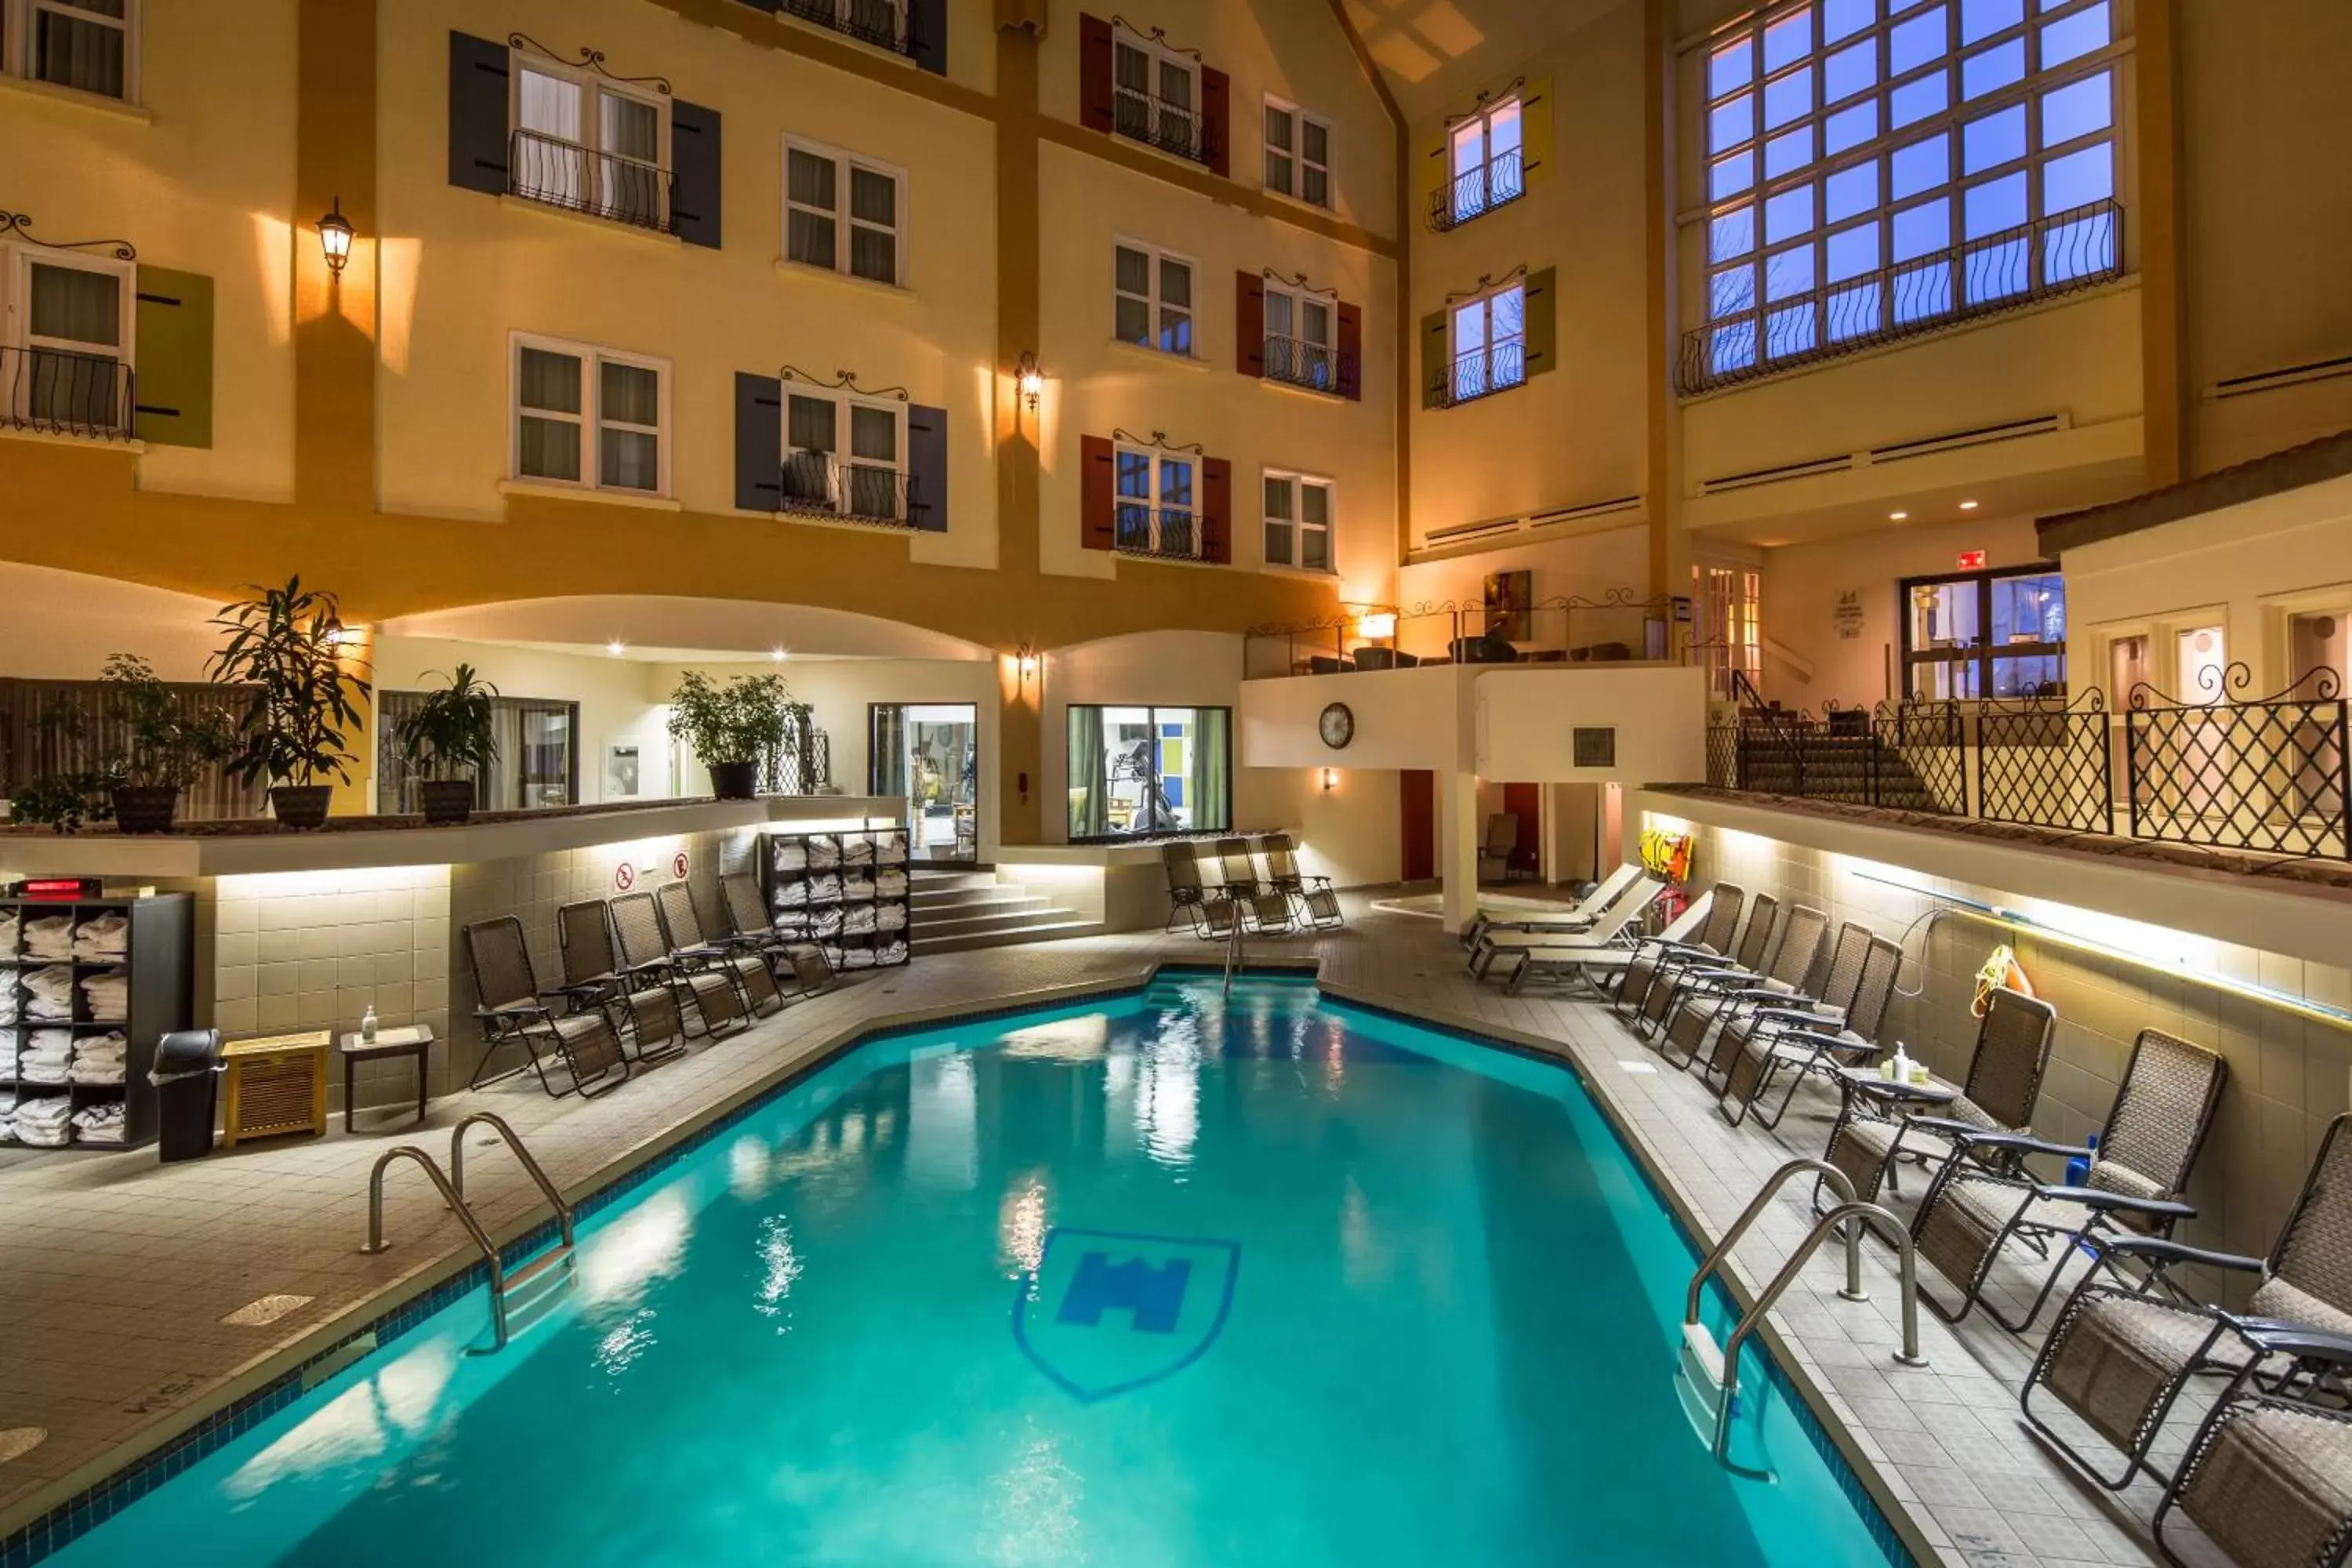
x: 1617, y: 626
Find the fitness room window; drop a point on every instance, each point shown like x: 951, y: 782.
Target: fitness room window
x: 1985, y: 634
x: 1142, y: 773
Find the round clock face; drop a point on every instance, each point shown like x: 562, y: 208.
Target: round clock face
x: 1338, y: 726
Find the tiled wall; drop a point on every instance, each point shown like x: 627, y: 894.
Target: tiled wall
x: 2288, y: 1074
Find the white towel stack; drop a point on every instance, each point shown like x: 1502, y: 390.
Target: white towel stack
x: 824, y: 889
x: 99, y: 1123
x: 891, y: 951
x: 47, y: 1056
x: 894, y: 849
x: 49, y: 993
x: 45, y: 1122
x: 8, y: 1116
x: 103, y: 939
x: 12, y: 931
x: 51, y: 936
x: 891, y: 884
x: 827, y: 922
x: 98, y: 1058
x: 792, y: 896
x: 823, y: 851
x: 8, y: 1003
x: 858, y: 852
x: 858, y: 919
x: 890, y: 917
x: 106, y: 997
x: 856, y: 885
x: 791, y: 856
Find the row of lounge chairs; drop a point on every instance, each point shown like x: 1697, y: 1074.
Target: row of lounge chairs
x: 2267, y: 1474
x: 1258, y: 882
x: 642, y: 974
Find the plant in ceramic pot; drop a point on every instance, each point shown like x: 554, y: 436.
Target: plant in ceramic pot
x: 285, y: 647
x: 449, y: 743
x: 163, y: 746
x: 730, y: 727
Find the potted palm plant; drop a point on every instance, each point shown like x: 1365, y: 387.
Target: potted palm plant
x: 163, y: 746
x: 285, y: 646
x: 730, y: 727
x: 449, y: 742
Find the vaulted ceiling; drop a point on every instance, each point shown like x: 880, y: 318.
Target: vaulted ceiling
x: 1438, y: 54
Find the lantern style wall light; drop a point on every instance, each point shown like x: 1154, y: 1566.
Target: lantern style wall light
x: 335, y: 238
x: 1029, y: 378
x: 1024, y: 663
x: 1330, y: 780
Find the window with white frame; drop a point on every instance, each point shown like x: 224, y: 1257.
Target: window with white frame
x: 1299, y: 323
x: 879, y: 22
x: 1157, y: 511
x: 1297, y: 154
x: 89, y: 45
x: 1156, y: 93
x: 589, y: 144
x: 69, y: 337
x: 1489, y: 341
x: 1486, y: 159
x: 1151, y: 297
x: 845, y: 454
x: 1874, y: 167
x: 590, y: 417
x: 1297, y: 520
x: 844, y: 212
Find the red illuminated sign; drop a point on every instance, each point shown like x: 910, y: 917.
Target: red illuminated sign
x: 1972, y: 560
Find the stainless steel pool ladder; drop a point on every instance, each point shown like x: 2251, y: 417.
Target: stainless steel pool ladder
x: 452, y: 1187
x: 1848, y: 1218
x: 1234, y: 948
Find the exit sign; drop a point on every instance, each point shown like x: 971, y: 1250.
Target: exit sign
x: 1972, y: 560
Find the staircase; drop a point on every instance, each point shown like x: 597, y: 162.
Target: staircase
x: 955, y: 911
x: 1859, y: 770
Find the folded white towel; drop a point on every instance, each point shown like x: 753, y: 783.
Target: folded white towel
x: 823, y: 851
x: 8, y: 1004
x: 100, y: 1058
x: 858, y: 851
x: 891, y: 885
x: 858, y: 919
x: 893, y: 851
x: 49, y: 991
x: 792, y: 896
x: 106, y: 997
x: 791, y: 856
x: 12, y: 930
x: 44, y: 1056
x: 102, y: 937
x: 44, y: 1121
x: 856, y: 885
x: 51, y: 936
x: 824, y: 889
x: 893, y: 951
x: 890, y: 917
x: 827, y: 922
x: 99, y: 1123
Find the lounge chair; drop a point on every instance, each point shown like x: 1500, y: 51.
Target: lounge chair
x: 1649, y: 1015
x: 1612, y: 929
x: 1261, y: 905
x: 1636, y: 891
x: 1312, y: 900
x: 1593, y: 962
x: 1790, y: 1046
x: 2120, y: 1352
x: 646, y: 955
x: 1501, y: 843
x: 1879, y: 1122
x: 647, y: 1016
x: 2268, y: 1477
x: 1821, y: 997
x: 510, y: 1008
x: 693, y: 946
x: 1708, y: 939
x: 807, y: 962
x: 1704, y: 998
x: 1186, y: 895
x: 1570, y: 918
x: 2139, y: 1169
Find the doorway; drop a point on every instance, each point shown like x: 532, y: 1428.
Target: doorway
x: 929, y: 753
x: 1417, y: 812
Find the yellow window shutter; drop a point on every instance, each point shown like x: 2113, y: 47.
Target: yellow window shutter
x: 1542, y: 321
x: 1436, y: 171
x: 1433, y: 357
x: 171, y: 378
x: 1535, y: 127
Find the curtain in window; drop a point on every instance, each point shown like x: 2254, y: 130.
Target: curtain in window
x: 886, y: 755
x: 1090, y: 775
x: 809, y: 182
x: 30, y: 748
x: 629, y: 394
x: 77, y: 305
x: 1208, y: 782
x: 73, y: 53
x: 874, y: 238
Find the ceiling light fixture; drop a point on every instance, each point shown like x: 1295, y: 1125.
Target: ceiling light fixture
x: 1897, y: 516
x: 616, y: 647
x: 1968, y: 505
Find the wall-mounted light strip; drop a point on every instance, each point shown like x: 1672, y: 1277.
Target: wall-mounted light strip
x: 2012, y: 920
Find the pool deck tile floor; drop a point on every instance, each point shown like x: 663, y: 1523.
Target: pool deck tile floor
x: 122, y: 1282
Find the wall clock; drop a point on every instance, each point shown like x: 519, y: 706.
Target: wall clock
x: 1336, y: 726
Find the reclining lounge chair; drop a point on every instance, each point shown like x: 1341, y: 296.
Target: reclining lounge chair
x: 510, y: 1008
x: 1792, y: 1046
x: 1754, y: 946
x: 1709, y: 941
x: 1575, y: 917
x: 1312, y: 900
x: 690, y: 944
x: 810, y: 969
x: 1581, y: 958
x: 646, y: 959
x: 1820, y: 998
x: 1607, y: 925
x: 647, y: 1016
x: 1702, y: 998
x: 2268, y: 1477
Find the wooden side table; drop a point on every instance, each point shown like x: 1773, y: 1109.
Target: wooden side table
x: 277, y: 1085
x: 413, y: 1040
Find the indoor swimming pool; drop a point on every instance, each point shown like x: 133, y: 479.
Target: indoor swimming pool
x: 1165, y: 1277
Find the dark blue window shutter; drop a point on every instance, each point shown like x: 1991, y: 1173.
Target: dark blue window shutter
x: 759, y: 442
x: 478, y: 113
x: 927, y: 32
x: 694, y: 164
x: 926, y: 468
x: 765, y: 5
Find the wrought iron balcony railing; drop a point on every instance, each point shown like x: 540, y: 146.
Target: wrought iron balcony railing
x: 1316, y: 366
x: 1176, y: 128
x: 559, y: 174
x: 56, y: 392
x: 1491, y: 185
x: 1163, y: 532
x: 2054, y: 255
x: 819, y: 484
x: 1481, y: 373
x: 881, y: 23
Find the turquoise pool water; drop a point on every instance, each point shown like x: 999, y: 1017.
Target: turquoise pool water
x: 1160, y: 1279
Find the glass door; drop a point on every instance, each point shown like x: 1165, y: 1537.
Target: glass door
x: 929, y: 753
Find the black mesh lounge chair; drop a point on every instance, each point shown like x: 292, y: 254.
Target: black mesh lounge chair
x: 2120, y: 1352
x: 1790, y: 1048
x: 1754, y: 946
x: 1185, y: 893
x: 1261, y: 905
x: 510, y: 1008
x: 2268, y: 1477
x: 1706, y: 998
x: 647, y: 958
x: 1312, y: 901
x: 1881, y: 1123
x: 2139, y: 1169
x: 1820, y: 998
x: 1709, y: 941
x: 646, y: 1016
x: 810, y: 970
x: 693, y: 946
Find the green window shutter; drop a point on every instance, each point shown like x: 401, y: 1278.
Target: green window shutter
x: 1543, y: 349
x: 1535, y: 129
x: 1432, y: 359
x: 171, y: 378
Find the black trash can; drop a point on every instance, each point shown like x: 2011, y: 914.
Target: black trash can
x: 187, y: 1062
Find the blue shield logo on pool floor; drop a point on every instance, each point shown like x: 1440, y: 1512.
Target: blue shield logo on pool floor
x: 1108, y: 1311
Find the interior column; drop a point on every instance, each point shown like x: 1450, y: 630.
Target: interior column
x: 1457, y: 847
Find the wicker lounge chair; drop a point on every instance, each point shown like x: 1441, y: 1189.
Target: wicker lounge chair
x: 1790, y: 1048
x: 1880, y: 1123
x: 1710, y: 941
x: 1755, y: 944
x: 1705, y: 997
x: 1261, y: 906
x: 511, y: 1009
x: 647, y: 1016
x: 2120, y: 1354
x: 2139, y: 1169
x: 1312, y: 901
x: 1822, y: 996
x: 691, y: 944
x: 805, y: 962
x: 1186, y: 895
x: 1572, y: 918
x: 2268, y: 1477
x: 647, y: 958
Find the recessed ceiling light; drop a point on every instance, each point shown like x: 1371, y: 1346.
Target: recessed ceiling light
x: 616, y: 647
x: 1896, y: 516
x: 777, y: 654
x: 1968, y: 505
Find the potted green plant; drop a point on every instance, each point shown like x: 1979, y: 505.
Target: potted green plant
x: 163, y: 746
x: 449, y: 740
x: 60, y: 802
x: 730, y: 727
x: 285, y: 644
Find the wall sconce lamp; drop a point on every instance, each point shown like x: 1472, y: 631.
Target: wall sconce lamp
x: 1379, y: 624
x: 1024, y: 663
x: 1330, y: 780
x: 1029, y: 378
x: 335, y: 238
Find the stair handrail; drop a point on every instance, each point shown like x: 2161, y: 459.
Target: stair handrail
x: 465, y: 1216
x: 1713, y: 1260
x: 1751, y: 715
x: 514, y: 1141
x: 1234, y: 947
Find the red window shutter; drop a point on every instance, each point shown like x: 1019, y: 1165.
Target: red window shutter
x: 1352, y: 351
x: 1094, y: 74
x: 1097, y: 485
x: 1216, y: 120
x: 1249, y: 323
x: 1217, y: 511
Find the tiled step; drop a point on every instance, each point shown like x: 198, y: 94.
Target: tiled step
x: 1069, y: 923
x: 1035, y: 912
x: 984, y: 897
